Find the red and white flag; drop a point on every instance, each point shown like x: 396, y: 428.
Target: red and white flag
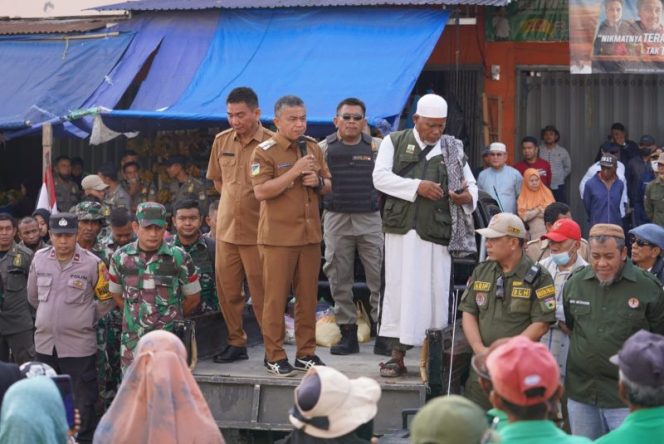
x: 46, y: 198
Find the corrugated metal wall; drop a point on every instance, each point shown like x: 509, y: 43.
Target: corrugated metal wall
x: 583, y: 107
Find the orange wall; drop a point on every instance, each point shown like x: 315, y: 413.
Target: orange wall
x: 471, y: 49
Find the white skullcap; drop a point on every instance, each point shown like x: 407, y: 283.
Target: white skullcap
x: 432, y: 106
x: 498, y: 147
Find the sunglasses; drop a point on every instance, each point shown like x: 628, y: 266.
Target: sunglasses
x: 640, y: 242
x: 500, y: 288
x: 355, y: 117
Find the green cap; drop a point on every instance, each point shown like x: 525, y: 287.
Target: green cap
x: 449, y: 419
x: 151, y: 213
x: 90, y: 211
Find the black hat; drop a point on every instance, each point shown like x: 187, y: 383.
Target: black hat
x: 63, y: 223
x: 172, y: 160
x: 647, y: 140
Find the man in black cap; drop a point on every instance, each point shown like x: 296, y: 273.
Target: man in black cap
x: 641, y: 387
x: 647, y: 247
x: 184, y: 186
x: 68, y: 288
x: 636, y: 167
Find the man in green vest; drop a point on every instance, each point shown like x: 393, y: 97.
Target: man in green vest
x: 641, y: 387
x: 431, y: 194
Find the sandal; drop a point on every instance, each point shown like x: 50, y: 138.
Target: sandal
x: 393, y: 368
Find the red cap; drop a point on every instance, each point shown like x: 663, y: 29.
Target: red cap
x: 562, y: 230
x: 520, y: 365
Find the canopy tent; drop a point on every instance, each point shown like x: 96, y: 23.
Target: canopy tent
x: 46, y: 78
x: 319, y: 54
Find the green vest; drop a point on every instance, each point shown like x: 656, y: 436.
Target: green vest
x: 430, y: 218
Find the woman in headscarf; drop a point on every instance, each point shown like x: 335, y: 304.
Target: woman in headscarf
x: 533, y: 199
x: 33, y: 413
x: 159, y: 402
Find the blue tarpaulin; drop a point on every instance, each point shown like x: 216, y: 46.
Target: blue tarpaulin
x: 45, y: 79
x: 319, y: 54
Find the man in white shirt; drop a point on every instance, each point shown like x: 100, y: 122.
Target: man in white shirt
x: 501, y: 181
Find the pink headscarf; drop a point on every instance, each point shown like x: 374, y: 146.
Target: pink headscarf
x: 159, y: 401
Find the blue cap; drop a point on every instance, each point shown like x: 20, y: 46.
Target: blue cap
x: 652, y: 233
x: 641, y: 359
x: 647, y: 140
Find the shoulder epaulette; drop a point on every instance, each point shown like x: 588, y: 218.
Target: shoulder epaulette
x: 223, y: 133
x: 269, y: 143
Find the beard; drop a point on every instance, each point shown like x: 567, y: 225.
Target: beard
x: 606, y: 283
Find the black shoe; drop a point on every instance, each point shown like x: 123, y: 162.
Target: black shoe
x: 280, y: 368
x: 306, y: 362
x: 382, y: 346
x: 348, y: 343
x: 231, y: 354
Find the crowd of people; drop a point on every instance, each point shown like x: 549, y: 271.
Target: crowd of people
x: 97, y: 290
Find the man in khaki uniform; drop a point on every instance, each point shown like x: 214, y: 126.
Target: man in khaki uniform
x: 538, y: 249
x: 289, y: 174
x: 507, y: 295
x: 237, y: 219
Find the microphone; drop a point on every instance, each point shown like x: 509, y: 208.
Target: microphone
x: 302, y: 144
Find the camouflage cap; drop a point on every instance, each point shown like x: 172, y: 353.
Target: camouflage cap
x: 151, y: 213
x: 90, y: 211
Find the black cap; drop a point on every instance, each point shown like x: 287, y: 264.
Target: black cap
x: 610, y: 148
x: 641, y: 358
x: 172, y: 160
x: 63, y: 223
x: 647, y: 140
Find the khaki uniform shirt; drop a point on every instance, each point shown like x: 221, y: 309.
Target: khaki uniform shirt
x: 601, y: 320
x: 521, y: 304
x: 538, y: 250
x: 237, y: 218
x: 66, y: 299
x: 292, y: 218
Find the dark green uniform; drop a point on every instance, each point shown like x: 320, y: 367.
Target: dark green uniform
x: 521, y: 304
x: 202, y: 253
x: 601, y: 320
x: 654, y: 201
x: 191, y: 189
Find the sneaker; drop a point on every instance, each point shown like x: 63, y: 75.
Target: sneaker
x: 279, y: 368
x: 306, y: 362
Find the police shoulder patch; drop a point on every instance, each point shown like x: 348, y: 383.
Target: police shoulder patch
x: 269, y: 143
x: 545, y: 291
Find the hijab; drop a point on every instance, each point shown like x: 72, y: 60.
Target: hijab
x: 529, y: 199
x: 33, y: 413
x: 159, y: 402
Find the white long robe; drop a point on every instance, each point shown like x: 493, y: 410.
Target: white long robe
x: 417, y: 272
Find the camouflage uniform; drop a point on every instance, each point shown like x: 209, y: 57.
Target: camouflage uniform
x: 202, y: 253
x: 109, y: 326
x: 67, y: 192
x: 153, y: 286
x: 191, y: 189
x: 93, y: 210
x: 118, y: 198
x: 146, y: 193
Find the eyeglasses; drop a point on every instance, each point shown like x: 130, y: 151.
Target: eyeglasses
x: 355, y: 117
x: 639, y: 242
x: 500, y: 288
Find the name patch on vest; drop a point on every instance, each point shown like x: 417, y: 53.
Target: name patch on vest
x: 545, y: 291
x: 284, y: 165
x: 481, y: 286
x: 410, y: 148
x: 366, y: 158
x: 521, y: 292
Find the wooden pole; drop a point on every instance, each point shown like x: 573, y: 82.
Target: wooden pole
x: 47, y: 144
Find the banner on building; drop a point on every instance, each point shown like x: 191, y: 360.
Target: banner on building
x: 528, y: 20
x: 616, y: 36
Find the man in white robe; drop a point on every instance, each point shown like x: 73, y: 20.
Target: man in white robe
x: 417, y: 271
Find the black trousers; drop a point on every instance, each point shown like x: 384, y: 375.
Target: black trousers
x: 22, y: 346
x: 83, y: 372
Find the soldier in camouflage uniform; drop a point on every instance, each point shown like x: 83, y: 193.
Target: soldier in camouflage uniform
x: 116, y: 196
x: 139, y: 189
x: 185, y: 186
x: 155, y: 284
x: 91, y: 220
x: 187, y: 221
x: 109, y: 327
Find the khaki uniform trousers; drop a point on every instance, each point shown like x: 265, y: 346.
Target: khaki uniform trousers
x: 285, y: 268
x: 233, y: 263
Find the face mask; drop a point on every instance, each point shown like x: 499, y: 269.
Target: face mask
x: 653, y: 165
x: 560, y: 258
x: 644, y: 151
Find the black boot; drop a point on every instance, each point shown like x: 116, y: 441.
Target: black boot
x: 348, y: 343
x: 382, y: 346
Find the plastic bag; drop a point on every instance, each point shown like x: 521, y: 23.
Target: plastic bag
x: 363, y: 324
x: 289, y: 337
x: 327, y: 331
